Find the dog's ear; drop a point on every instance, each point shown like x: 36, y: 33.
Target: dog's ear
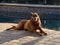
x: 31, y: 13
x: 39, y: 14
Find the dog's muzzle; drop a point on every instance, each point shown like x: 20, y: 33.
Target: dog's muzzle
x: 35, y: 19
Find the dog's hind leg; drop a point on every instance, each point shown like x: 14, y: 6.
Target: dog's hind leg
x: 13, y: 27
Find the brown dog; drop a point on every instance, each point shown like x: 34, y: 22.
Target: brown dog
x: 30, y: 25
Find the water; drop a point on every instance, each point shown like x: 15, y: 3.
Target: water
x: 49, y: 24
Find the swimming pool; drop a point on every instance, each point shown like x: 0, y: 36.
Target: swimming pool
x: 49, y: 24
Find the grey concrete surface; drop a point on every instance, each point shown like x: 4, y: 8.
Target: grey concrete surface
x: 13, y: 37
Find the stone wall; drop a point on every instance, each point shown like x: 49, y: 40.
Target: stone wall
x: 21, y: 12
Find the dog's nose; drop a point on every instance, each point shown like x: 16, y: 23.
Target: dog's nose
x: 35, y: 19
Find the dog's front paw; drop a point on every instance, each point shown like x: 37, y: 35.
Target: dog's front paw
x: 7, y: 29
x: 45, y: 33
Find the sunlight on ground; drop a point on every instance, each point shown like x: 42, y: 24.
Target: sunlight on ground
x: 13, y: 37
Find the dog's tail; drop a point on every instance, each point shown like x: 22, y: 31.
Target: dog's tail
x: 13, y: 27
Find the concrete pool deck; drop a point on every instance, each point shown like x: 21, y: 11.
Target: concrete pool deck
x: 13, y: 37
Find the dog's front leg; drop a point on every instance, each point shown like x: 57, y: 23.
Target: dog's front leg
x: 41, y: 31
x: 34, y: 31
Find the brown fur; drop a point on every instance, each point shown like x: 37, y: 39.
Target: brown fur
x: 30, y: 25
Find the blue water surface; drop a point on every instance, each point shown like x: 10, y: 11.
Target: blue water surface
x: 49, y: 24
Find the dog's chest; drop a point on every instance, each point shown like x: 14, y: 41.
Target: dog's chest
x: 29, y: 25
x: 35, y: 24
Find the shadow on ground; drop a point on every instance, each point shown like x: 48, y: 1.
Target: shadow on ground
x: 33, y: 42
x: 10, y: 35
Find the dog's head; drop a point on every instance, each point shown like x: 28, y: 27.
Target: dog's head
x: 35, y: 17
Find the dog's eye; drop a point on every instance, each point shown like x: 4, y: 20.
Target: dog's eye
x: 35, y: 15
